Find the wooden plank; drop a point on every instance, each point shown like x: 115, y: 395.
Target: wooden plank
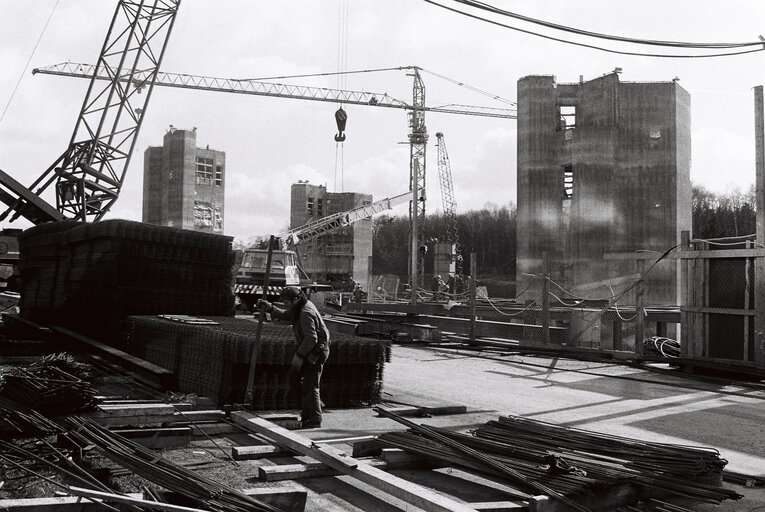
x: 301, y: 470
x: 133, y: 410
x: 724, y: 253
x: 161, y: 419
x: 500, y: 506
x: 719, y: 311
x: 150, y: 373
x: 263, y: 451
x: 158, y: 438
x: 390, y: 458
x: 130, y: 500
x: 372, y: 447
x: 407, y: 491
x: 287, y: 499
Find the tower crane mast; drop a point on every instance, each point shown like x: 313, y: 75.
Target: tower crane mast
x: 418, y: 135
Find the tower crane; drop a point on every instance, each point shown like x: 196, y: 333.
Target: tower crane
x: 418, y: 135
x: 447, y: 199
x: 88, y: 176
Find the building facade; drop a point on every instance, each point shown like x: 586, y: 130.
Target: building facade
x: 603, y: 169
x: 342, y: 253
x: 183, y: 185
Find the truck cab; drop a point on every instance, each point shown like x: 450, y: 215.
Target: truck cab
x: 251, y: 274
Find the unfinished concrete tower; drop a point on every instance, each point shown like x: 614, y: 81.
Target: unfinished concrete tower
x: 603, y: 168
x: 342, y: 253
x: 183, y: 185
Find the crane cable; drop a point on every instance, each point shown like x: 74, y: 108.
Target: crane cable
x: 342, y: 65
x: 23, y: 72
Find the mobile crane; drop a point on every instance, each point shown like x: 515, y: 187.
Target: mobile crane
x: 418, y: 134
x: 285, y: 261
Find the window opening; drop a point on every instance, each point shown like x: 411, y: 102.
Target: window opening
x: 568, y: 181
x: 204, y: 171
x: 567, y: 117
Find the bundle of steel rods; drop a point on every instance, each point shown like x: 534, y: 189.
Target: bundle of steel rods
x: 677, y: 460
x: 149, y: 465
x: 569, y: 462
x: 48, y: 389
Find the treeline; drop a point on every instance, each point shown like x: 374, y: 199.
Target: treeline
x: 490, y: 232
x: 723, y: 215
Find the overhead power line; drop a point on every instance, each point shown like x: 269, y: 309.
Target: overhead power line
x: 571, y: 30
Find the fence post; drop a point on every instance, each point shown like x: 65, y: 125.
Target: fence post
x: 473, y: 270
x: 546, y: 298
x: 639, y: 316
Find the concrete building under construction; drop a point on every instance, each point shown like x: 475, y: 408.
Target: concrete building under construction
x: 183, y: 185
x: 603, y: 168
x: 343, y: 252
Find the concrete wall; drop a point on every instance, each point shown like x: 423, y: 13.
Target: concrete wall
x: 629, y: 153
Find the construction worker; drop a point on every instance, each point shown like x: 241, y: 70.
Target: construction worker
x: 358, y: 294
x: 313, y: 348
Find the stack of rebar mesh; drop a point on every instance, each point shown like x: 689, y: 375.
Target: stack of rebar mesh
x: 89, y: 276
x: 213, y: 360
x: 567, y: 463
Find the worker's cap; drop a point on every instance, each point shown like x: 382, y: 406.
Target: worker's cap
x: 290, y: 292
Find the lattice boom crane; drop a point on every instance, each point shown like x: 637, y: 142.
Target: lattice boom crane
x: 418, y: 134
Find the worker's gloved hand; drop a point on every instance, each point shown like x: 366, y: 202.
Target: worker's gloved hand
x: 264, y: 305
x: 297, y: 363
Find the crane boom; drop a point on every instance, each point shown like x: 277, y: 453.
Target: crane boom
x: 447, y: 197
x: 88, y: 176
x: 418, y: 134
x: 337, y: 220
x: 260, y: 88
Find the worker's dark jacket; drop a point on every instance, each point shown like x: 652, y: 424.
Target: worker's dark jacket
x: 310, y: 331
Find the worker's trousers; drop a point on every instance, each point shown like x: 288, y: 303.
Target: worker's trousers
x: 308, y: 381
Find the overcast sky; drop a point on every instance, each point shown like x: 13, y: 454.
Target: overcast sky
x: 271, y: 143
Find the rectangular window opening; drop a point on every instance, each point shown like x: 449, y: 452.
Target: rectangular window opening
x: 567, y: 117
x: 218, y: 175
x: 320, y: 207
x: 310, y: 206
x: 203, y: 172
x: 568, y: 181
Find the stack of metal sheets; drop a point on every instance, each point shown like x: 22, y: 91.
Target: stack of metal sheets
x: 89, y: 276
x: 213, y: 360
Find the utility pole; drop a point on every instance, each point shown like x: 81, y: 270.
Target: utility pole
x: 759, y: 269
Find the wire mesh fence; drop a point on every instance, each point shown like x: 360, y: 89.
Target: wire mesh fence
x: 719, y: 310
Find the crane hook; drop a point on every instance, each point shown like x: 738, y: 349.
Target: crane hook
x: 340, y: 118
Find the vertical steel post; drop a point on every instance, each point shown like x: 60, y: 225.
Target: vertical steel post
x: 546, y: 298
x: 473, y: 271
x: 759, y: 269
x: 639, y: 313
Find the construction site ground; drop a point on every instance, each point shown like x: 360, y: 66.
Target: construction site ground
x: 463, y: 388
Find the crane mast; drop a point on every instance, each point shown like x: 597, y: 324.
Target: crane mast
x: 88, y: 176
x: 418, y: 135
x: 418, y: 138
